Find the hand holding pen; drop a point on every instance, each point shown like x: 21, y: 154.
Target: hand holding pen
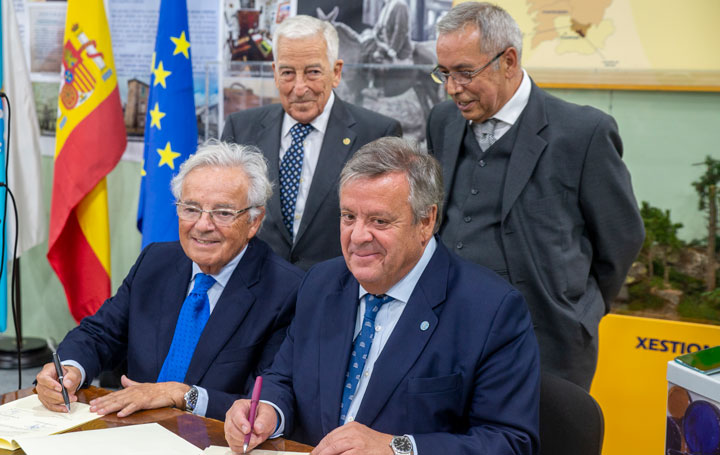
x: 49, y: 385
x: 243, y: 430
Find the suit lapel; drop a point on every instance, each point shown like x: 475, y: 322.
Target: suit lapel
x: 229, y: 312
x: 455, y: 131
x: 408, y: 340
x: 338, y: 144
x: 337, y: 329
x: 268, y: 139
x: 527, y: 149
x: 175, y: 291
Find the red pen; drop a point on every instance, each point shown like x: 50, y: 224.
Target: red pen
x: 253, y: 409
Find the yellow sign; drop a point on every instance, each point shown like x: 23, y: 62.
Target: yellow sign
x: 630, y: 383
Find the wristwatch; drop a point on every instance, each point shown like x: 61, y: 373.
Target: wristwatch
x: 401, y: 445
x: 191, y: 397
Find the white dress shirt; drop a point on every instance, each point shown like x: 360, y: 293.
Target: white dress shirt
x: 214, y: 293
x: 509, y: 113
x: 311, y: 145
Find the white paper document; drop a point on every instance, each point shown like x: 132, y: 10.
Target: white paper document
x: 146, y: 439
x: 27, y: 417
x: 218, y: 450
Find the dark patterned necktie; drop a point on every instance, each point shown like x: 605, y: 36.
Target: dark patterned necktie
x: 360, y: 350
x: 487, y: 134
x: 190, y: 324
x: 290, y: 170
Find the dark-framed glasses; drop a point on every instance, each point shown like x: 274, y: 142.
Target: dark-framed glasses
x: 460, y: 77
x: 221, y: 217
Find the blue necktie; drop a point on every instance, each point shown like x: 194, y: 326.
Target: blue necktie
x: 290, y: 170
x: 360, y: 351
x: 190, y: 324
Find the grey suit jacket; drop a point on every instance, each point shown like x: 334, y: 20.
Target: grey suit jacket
x: 349, y: 128
x: 570, y: 224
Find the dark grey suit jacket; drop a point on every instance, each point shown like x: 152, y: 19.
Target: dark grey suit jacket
x: 349, y: 128
x: 570, y: 224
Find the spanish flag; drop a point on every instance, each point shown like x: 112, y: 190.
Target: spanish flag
x: 90, y: 140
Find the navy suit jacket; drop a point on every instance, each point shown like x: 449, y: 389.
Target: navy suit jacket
x: 349, y: 128
x: 468, y: 384
x: 240, y: 339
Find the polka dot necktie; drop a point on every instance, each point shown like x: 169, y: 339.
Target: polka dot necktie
x: 487, y: 136
x: 360, y: 350
x: 190, y: 324
x: 290, y: 170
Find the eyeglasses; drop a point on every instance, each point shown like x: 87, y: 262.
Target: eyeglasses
x: 460, y: 77
x: 221, y: 217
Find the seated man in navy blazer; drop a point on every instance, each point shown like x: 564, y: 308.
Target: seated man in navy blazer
x: 400, y: 346
x: 196, y: 319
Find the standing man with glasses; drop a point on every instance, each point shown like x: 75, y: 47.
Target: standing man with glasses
x: 306, y: 139
x: 535, y: 187
x: 197, y: 319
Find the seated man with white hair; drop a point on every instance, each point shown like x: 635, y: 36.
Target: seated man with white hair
x: 196, y: 319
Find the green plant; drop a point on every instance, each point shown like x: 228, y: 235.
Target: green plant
x: 706, y: 187
x: 660, y: 235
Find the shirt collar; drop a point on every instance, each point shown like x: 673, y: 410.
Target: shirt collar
x: 511, y: 110
x: 403, y: 289
x: 319, y: 123
x: 223, y: 276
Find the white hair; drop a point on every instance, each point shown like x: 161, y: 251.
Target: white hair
x: 214, y: 153
x: 303, y: 26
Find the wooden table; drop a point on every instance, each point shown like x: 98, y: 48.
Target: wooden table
x: 200, y: 431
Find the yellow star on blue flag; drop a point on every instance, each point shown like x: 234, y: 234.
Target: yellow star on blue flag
x: 170, y: 120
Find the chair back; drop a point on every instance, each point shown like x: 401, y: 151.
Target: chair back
x: 571, y: 421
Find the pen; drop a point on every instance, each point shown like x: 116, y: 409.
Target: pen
x: 61, y: 376
x: 253, y: 409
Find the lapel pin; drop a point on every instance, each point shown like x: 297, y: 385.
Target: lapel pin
x: 346, y: 141
x: 424, y: 325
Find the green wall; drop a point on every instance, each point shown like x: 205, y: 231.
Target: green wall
x: 664, y: 134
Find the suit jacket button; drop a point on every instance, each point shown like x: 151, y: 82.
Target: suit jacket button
x: 459, y: 245
x: 474, y: 191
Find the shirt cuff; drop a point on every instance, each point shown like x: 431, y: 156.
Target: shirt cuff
x: 202, y: 402
x: 72, y: 363
x: 412, y: 439
x: 280, y: 427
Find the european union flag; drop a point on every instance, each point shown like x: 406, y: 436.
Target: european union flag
x: 170, y: 124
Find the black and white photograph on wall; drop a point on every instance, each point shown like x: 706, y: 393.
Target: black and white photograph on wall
x: 388, y: 47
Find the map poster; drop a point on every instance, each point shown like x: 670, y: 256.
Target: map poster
x: 620, y: 44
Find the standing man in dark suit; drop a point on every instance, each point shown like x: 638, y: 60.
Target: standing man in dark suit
x: 197, y: 319
x: 400, y: 347
x: 306, y: 139
x: 535, y: 187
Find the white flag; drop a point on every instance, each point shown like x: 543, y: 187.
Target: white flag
x: 24, y: 177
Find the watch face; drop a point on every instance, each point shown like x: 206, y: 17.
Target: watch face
x: 191, y: 399
x: 402, y: 444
